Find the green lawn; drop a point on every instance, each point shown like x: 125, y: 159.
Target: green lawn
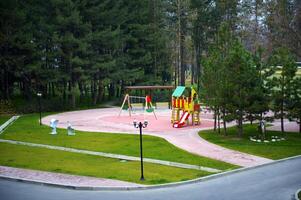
x: 88, y: 165
x: 272, y: 150
x: 26, y: 128
x: 4, y: 118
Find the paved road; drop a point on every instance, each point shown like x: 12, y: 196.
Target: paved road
x: 271, y: 182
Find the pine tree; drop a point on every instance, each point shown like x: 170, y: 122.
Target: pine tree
x: 242, y: 83
x: 15, y: 48
x: 205, y: 26
x: 294, y: 105
x: 70, y: 38
x: 216, y: 73
x: 285, y: 64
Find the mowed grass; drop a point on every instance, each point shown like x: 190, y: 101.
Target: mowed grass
x: 88, y: 165
x: 27, y: 128
x: 273, y: 150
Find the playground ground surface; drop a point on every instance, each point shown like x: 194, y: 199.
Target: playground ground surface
x: 186, y: 138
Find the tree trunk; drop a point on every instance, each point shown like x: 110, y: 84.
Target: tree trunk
x: 53, y: 89
x: 224, y: 122
x: 73, y: 97
x: 111, y: 90
x: 94, y: 94
x: 181, y: 44
x: 300, y: 124
x: 218, y: 121
x: 100, y: 91
x: 182, y: 61
x: 64, y: 92
x: 176, y: 72
x: 81, y: 91
x: 214, y: 119
x: 192, y: 68
x: 282, y: 122
x: 240, y: 128
x: 198, y: 67
x: 7, y: 96
x: 118, y: 91
x: 282, y: 106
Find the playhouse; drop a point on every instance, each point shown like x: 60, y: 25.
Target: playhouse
x: 185, y: 103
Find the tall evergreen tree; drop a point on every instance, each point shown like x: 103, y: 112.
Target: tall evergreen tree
x: 294, y: 106
x: 283, y: 23
x: 70, y: 38
x: 15, y: 48
x: 242, y: 83
x: 285, y: 64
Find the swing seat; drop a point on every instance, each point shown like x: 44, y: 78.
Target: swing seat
x: 149, y: 110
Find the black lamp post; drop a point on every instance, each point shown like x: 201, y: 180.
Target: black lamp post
x: 141, y: 125
x: 39, y: 94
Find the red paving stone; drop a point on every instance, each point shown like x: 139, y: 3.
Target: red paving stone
x: 107, y: 120
x: 162, y: 124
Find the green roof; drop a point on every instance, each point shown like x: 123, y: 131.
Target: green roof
x: 179, y: 91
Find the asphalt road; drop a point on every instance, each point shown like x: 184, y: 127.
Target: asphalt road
x: 277, y: 181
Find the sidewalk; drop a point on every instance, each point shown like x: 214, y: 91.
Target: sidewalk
x: 288, y: 126
x: 60, y: 179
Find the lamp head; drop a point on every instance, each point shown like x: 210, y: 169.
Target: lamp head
x: 39, y: 94
x: 145, y: 123
x: 135, y: 123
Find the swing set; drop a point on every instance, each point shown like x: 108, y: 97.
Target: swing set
x: 145, y: 101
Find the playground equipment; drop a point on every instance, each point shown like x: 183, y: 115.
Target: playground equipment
x: 145, y: 101
x: 53, y: 125
x: 152, y: 90
x: 188, y: 105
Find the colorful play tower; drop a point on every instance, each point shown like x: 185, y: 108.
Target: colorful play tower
x: 185, y: 103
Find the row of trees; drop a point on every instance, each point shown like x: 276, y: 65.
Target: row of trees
x: 78, y: 50
x: 241, y: 86
x: 241, y: 75
x: 71, y: 48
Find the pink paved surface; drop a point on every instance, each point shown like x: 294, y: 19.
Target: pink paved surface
x: 288, y: 126
x: 187, y: 138
x: 60, y: 179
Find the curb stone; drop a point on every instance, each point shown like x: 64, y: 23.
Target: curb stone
x: 72, y: 187
x: 8, y: 122
x: 159, y: 186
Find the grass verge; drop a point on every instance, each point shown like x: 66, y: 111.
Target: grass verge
x: 27, y: 129
x: 88, y: 165
x: 273, y: 150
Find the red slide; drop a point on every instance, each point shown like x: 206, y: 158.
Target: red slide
x: 181, y: 123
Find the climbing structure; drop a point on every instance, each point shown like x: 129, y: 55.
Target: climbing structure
x: 185, y: 103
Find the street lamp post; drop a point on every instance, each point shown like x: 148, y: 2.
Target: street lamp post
x: 141, y: 125
x: 39, y: 94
